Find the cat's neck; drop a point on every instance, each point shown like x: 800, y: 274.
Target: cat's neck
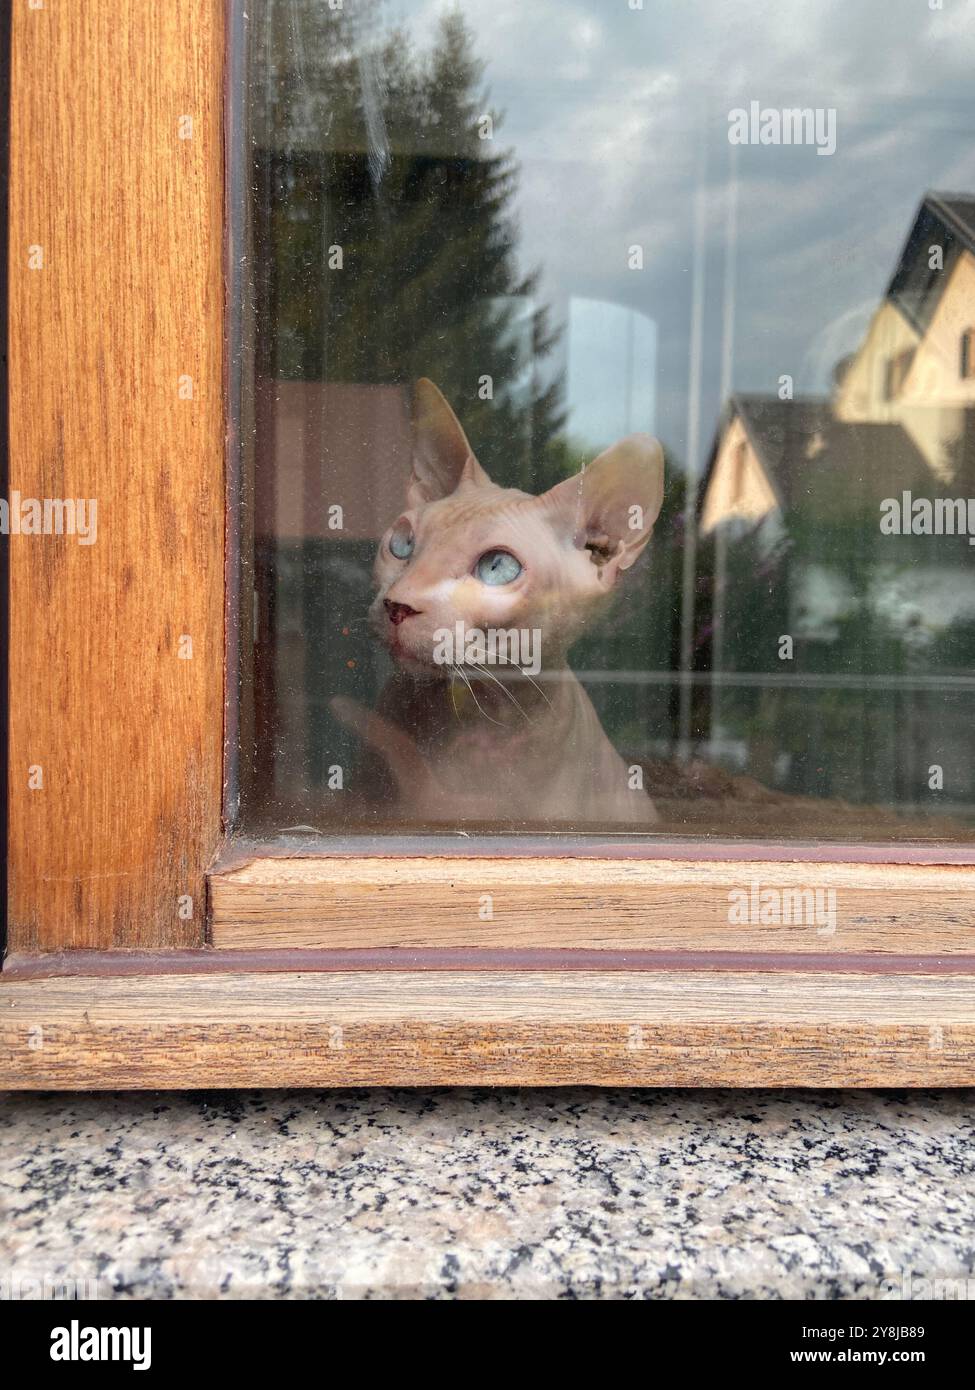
x: 494, y: 700
x: 511, y: 700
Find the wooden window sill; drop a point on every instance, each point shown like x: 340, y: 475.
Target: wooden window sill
x: 490, y: 1027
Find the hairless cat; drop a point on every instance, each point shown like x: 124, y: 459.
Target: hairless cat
x: 480, y: 593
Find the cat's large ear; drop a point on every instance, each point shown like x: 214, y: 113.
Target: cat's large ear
x: 442, y: 457
x: 610, y: 507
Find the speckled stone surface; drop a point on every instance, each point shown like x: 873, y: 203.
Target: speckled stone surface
x: 583, y: 1193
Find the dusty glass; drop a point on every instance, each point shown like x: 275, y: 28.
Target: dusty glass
x: 607, y: 390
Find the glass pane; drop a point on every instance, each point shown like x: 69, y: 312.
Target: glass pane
x: 607, y: 389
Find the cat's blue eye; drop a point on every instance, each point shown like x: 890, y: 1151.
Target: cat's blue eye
x: 497, y: 567
x: 401, y: 542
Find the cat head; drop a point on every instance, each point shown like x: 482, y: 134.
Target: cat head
x: 467, y: 551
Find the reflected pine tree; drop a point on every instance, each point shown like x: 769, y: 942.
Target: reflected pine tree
x: 365, y: 143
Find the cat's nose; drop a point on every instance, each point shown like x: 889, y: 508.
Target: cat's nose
x: 398, y: 611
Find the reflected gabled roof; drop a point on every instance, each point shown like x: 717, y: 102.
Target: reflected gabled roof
x: 943, y: 219
x: 827, y: 467
x: 959, y: 211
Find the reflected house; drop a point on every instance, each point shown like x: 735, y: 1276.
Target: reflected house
x: 774, y: 459
x: 883, y: 627
x: 916, y: 365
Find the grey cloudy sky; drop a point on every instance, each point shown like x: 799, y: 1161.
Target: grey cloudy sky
x: 613, y: 114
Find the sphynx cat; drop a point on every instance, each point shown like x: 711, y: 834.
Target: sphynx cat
x: 480, y: 593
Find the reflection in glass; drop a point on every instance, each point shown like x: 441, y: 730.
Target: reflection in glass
x: 542, y: 211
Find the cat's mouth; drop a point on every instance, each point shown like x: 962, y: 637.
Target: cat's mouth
x: 404, y: 654
x: 405, y: 650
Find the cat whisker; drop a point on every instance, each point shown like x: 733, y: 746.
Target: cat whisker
x: 521, y: 671
x: 492, y: 677
x: 530, y: 680
x: 477, y: 702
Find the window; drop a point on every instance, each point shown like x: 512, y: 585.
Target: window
x: 967, y: 355
x: 469, y: 242
x: 897, y: 370
x: 578, y: 232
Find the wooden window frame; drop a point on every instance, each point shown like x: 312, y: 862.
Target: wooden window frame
x: 142, y: 948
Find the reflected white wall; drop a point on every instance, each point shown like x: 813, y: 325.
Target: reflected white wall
x: 612, y: 371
